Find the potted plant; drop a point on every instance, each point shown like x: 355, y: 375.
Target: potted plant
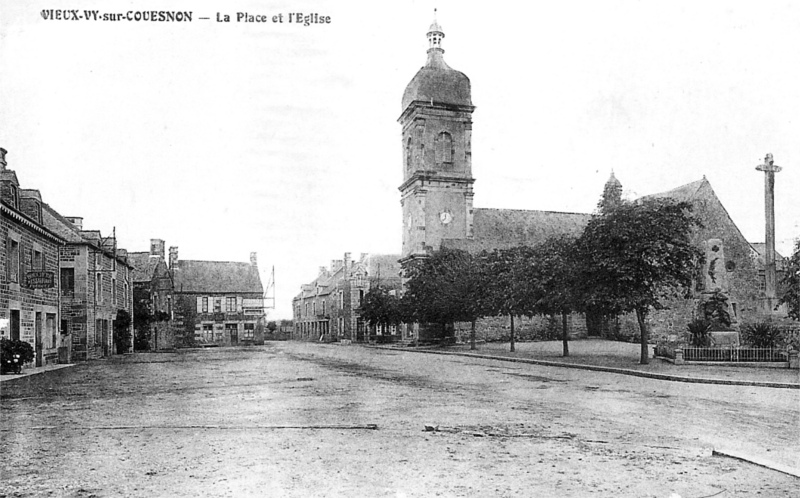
x: 14, y: 354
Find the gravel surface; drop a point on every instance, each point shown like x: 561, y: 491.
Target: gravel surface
x: 297, y: 420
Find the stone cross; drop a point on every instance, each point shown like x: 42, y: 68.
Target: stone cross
x: 769, y: 168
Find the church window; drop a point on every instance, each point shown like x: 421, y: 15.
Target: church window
x: 444, y: 148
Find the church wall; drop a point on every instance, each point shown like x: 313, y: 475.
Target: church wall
x: 741, y: 266
x: 498, y: 328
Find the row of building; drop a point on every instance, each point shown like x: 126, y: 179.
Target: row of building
x: 191, y: 303
x: 74, y: 295
x: 63, y: 289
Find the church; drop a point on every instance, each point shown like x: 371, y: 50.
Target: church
x: 437, y: 199
x: 438, y: 212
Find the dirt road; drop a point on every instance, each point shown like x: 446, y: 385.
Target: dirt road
x: 295, y: 419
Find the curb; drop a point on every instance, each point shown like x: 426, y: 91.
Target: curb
x: 757, y: 461
x: 623, y: 371
x: 34, y: 371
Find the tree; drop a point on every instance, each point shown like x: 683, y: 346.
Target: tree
x: 635, y: 256
x: 553, y: 275
x: 381, y: 307
x: 122, y: 331
x: 442, y: 288
x: 790, y: 294
x: 509, y: 289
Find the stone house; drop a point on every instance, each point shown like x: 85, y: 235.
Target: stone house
x: 95, y: 286
x: 327, y: 308
x: 29, y: 261
x: 217, y: 303
x: 152, y: 294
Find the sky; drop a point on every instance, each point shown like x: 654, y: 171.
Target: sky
x: 282, y: 139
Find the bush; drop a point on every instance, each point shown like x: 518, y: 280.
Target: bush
x: 9, y: 348
x: 762, y: 335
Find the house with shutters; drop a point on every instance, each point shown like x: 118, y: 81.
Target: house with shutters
x: 217, y: 303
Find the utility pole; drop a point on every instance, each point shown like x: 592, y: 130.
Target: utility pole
x: 769, y: 168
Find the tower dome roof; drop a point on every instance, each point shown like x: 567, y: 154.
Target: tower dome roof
x: 436, y: 82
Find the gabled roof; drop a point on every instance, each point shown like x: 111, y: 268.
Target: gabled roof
x: 217, y: 277
x: 506, y: 228
x: 60, y: 225
x: 144, y: 265
x: 686, y: 193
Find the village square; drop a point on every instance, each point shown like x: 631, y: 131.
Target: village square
x: 644, y: 347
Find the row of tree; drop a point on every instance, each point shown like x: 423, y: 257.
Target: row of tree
x: 630, y: 258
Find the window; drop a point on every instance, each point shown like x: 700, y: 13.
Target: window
x: 444, y: 148
x: 208, y: 332
x: 68, y: 282
x: 205, y: 305
x: 114, y: 291
x: 38, y: 260
x: 230, y: 304
x: 217, y: 305
x: 13, y: 260
x: 125, y: 292
x: 409, y: 158
x: 323, y: 307
x: 98, y: 287
x: 50, y: 327
x: 249, y: 331
x: 360, y: 297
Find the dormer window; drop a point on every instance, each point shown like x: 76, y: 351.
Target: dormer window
x: 14, y: 196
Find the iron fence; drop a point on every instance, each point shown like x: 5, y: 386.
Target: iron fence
x: 736, y: 354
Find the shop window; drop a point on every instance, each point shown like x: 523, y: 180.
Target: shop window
x: 249, y: 331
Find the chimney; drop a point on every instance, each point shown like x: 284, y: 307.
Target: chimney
x: 173, y: 257
x: 76, y: 221
x: 157, y: 247
x: 336, y: 265
x: 346, y: 261
x: 254, y: 258
x: 363, y: 256
x: 3, y: 163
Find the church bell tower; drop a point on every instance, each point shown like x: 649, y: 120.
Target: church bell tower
x: 436, y: 194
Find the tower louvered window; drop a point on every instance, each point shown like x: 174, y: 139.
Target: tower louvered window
x: 444, y: 149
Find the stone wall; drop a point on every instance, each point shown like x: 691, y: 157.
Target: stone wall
x: 17, y: 297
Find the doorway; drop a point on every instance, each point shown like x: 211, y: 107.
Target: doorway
x: 37, y: 327
x: 14, y: 325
